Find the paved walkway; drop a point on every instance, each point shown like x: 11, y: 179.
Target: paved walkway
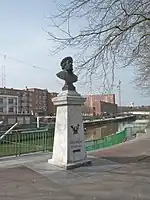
x: 135, y: 149
x: 122, y: 172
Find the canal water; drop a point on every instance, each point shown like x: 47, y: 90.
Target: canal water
x: 133, y: 127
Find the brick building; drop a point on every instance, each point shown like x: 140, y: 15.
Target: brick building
x: 26, y: 101
x: 39, y: 101
x: 109, y: 98
x: 108, y: 108
x: 96, y: 104
x: 51, y: 108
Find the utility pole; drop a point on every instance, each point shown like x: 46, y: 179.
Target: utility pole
x: 4, y: 73
x: 119, y: 91
x: 3, y: 76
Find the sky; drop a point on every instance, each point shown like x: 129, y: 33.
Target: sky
x: 23, y: 38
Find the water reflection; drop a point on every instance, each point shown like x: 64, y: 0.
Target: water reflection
x: 98, y: 132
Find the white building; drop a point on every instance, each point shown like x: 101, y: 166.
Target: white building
x: 132, y: 104
x: 8, y: 104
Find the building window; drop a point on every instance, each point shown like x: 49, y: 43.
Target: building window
x: 11, y: 110
x: 1, y: 100
x: 10, y: 100
x: 1, y: 110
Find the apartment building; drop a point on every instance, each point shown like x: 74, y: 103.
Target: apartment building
x: 8, y: 104
x: 109, y: 98
x: 51, y: 106
x: 33, y: 101
x: 24, y: 98
x: 39, y: 101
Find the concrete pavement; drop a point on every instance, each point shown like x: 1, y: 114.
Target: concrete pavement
x: 119, y: 172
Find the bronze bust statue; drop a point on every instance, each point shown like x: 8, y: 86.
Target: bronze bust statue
x: 67, y: 74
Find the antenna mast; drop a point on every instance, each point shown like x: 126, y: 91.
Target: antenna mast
x: 119, y: 88
x: 4, y: 73
x: 3, y: 76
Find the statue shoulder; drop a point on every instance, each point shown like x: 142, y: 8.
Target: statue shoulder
x: 61, y: 75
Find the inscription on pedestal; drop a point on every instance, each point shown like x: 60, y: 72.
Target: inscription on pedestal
x: 76, y: 144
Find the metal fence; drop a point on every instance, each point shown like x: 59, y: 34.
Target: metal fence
x: 29, y: 141
x: 107, y: 141
x: 22, y: 142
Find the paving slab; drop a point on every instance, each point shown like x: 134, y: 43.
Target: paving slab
x: 23, y: 183
x: 127, y: 182
x: 63, y: 177
x: 10, y: 162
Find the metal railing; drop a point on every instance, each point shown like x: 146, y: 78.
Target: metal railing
x: 107, y: 141
x: 23, y: 142
x: 7, y: 132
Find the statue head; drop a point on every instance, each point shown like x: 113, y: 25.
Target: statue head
x: 67, y: 74
x: 67, y: 64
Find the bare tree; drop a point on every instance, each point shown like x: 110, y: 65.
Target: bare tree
x: 142, y: 75
x: 114, y: 33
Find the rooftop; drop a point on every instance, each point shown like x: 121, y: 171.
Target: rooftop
x: 122, y: 171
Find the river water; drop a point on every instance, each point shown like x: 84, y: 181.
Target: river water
x: 133, y: 127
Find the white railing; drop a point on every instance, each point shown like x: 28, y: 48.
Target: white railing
x: 138, y: 112
x: 2, y: 136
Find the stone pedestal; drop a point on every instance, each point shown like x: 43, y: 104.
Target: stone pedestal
x: 69, y: 148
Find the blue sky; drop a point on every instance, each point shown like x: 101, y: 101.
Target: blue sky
x: 22, y: 37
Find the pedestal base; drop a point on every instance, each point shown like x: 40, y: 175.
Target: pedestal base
x: 68, y: 147
x: 71, y: 165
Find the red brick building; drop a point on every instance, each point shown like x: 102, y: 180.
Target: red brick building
x: 108, y: 108
x: 51, y: 108
x: 100, y: 103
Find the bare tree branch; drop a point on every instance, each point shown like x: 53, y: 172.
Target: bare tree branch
x: 106, y: 33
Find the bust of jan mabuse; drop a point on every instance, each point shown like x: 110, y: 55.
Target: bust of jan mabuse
x: 67, y: 73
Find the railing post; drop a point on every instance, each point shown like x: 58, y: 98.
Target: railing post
x: 38, y: 122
